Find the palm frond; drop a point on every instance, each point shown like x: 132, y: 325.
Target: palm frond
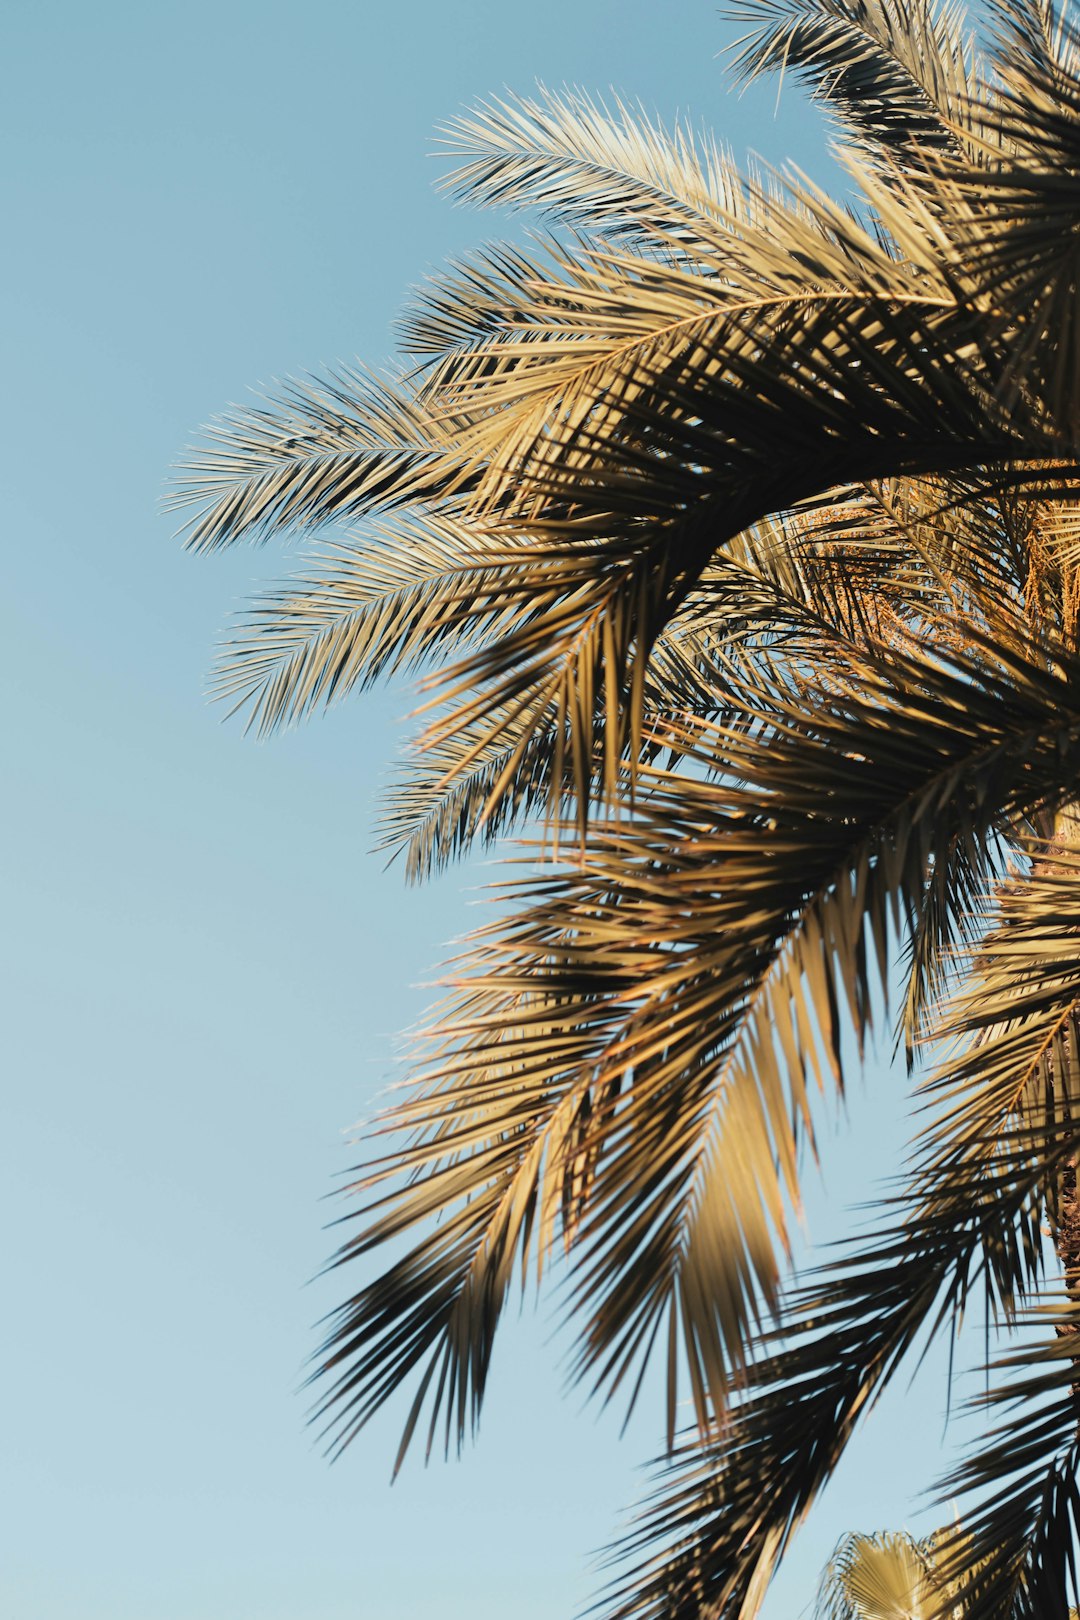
x: 1019, y: 1542
x: 687, y: 975
x: 1012, y: 1029
x: 1035, y: 44
x: 317, y: 453
x: 623, y: 427
x: 710, y: 1538
x: 901, y: 77
x: 381, y: 604
x: 414, y: 592
x: 733, y: 530
x: 615, y: 171
x: 483, y: 780
x: 989, y: 1162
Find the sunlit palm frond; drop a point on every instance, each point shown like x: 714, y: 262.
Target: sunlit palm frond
x: 947, y: 1576
x: 990, y: 1159
x: 477, y: 301
x: 1035, y: 45
x: 415, y: 592
x: 615, y: 171
x: 710, y: 1539
x: 763, y: 609
x: 666, y: 456
x: 374, y: 606
x: 483, y: 780
x: 625, y: 423
x: 734, y: 529
x: 1013, y: 1026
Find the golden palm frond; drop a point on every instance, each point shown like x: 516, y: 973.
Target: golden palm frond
x: 622, y: 417
x: 616, y: 171
x: 1018, y: 1543
x: 316, y: 453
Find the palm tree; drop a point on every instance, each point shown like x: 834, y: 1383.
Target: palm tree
x: 892, y: 1576
x: 889, y: 1576
x: 734, y: 528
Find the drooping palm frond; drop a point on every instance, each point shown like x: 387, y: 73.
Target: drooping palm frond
x: 698, y: 958
x: 900, y: 77
x: 1005, y: 1125
x: 710, y: 1539
x: 626, y: 417
x: 1018, y: 1023
x: 1020, y: 1538
x: 414, y: 594
x: 1013, y: 1026
x: 481, y: 781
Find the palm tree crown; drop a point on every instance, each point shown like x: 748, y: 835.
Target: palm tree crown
x: 893, y: 1576
x: 734, y: 530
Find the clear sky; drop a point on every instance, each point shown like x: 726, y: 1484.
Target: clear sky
x: 204, y: 969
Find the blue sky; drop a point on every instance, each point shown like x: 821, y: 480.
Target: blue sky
x: 204, y: 967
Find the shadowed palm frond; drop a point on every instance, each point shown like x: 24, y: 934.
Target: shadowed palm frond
x: 319, y: 453
x: 990, y: 1160
x: 710, y: 1539
x: 900, y: 77
x: 624, y: 419
x: 483, y: 780
x: 1020, y: 1537
x: 414, y: 593
x: 700, y: 958
x: 1012, y: 1028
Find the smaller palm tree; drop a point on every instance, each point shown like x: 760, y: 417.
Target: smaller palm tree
x: 893, y: 1576
x: 886, y: 1576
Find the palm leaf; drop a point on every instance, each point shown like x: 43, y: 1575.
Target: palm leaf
x: 616, y: 172
x: 900, y: 77
x: 678, y: 973
x: 741, y: 515
x: 1020, y: 1537
x: 1004, y: 1127
x: 316, y: 454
